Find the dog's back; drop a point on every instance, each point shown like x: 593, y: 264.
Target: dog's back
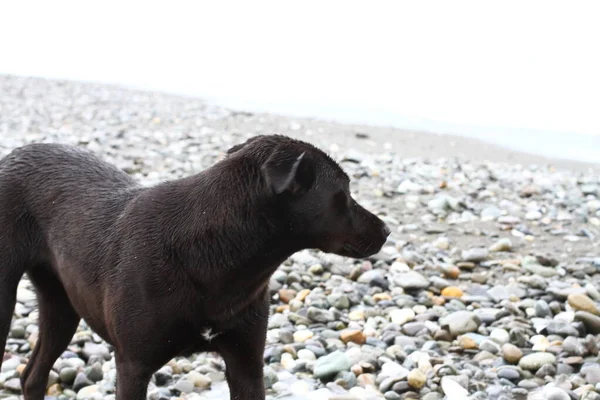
x: 63, y: 186
x: 52, y: 169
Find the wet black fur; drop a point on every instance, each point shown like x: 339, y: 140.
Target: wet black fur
x: 173, y: 269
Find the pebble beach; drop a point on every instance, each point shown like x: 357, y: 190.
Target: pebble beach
x: 488, y: 287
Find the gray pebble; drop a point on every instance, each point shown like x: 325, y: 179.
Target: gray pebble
x: 555, y: 393
x: 329, y: 365
x: 460, y: 322
x: 411, y: 280
x: 591, y: 321
x: 93, y: 349
x: 476, y: 254
x: 81, y: 381
x: 67, y: 375
x: 319, y: 315
x: 542, y: 309
x: 13, y: 384
x: 534, y: 361
x: 95, y: 373
x: 512, y: 374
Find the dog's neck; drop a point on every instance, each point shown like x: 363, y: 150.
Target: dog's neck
x: 235, y: 227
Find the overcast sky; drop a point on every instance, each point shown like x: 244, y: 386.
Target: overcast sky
x: 504, y: 64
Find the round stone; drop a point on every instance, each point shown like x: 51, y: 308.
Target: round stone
x: 402, y: 316
x: 460, y: 322
x: 303, y: 335
x: 500, y: 335
x: 511, y: 353
x: 353, y: 335
x: 452, y: 291
x: 581, y: 302
x: 534, y: 361
x: 416, y: 379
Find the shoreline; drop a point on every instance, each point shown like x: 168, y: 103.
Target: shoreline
x: 379, y: 138
x: 405, y: 143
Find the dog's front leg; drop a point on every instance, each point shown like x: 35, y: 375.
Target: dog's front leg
x: 243, y: 355
x: 132, y: 380
x: 242, y: 349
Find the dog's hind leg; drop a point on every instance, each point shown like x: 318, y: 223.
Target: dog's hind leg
x: 18, y: 241
x: 58, y: 322
x: 11, y: 271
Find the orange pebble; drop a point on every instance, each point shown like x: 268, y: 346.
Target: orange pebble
x: 452, y: 291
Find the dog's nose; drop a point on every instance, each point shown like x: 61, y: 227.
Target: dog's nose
x: 386, y: 230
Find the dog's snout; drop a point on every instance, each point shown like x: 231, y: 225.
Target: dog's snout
x: 386, y: 230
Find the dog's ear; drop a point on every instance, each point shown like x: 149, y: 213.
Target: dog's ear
x: 289, y: 171
x: 240, y: 146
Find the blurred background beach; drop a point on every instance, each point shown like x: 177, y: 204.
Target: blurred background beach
x: 523, y: 75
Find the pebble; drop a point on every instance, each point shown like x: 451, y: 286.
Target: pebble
x: 319, y: 315
x: 305, y: 354
x: 581, y: 302
x: 402, y: 316
x: 303, y: 335
x: 81, y: 381
x: 505, y: 292
x: 475, y: 254
x: 453, y: 390
x: 533, y: 215
x: 331, y: 364
x: 500, y: 335
x: 95, y: 373
x: 489, y: 346
x: 10, y: 364
x: 452, y: 291
x: 412, y: 280
x: 534, y: 361
x: 511, y: 353
x: 442, y: 243
x: 67, y: 375
x: 540, y: 343
x: 367, y: 276
x: 460, y: 322
x: 91, y: 392
x: 467, y: 342
x: 591, y: 374
x: 286, y: 295
x: 13, y: 385
x: 536, y: 269
x: 184, y: 385
x: 503, y: 244
x: 546, y: 370
x: 555, y: 393
x: 353, y: 335
x: 98, y: 350
x: 542, y: 309
x: 591, y: 321
x: 416, y: 379
x: 510, y: 373
x: 391, y: 369
x: 199, y: 380
x: 490, y: 213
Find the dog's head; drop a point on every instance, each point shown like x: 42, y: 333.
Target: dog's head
x: 312, y: 195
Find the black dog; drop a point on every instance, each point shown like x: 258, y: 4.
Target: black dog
x: 171, y: 270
